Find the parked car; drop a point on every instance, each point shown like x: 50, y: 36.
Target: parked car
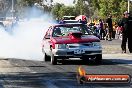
x: 69, y: 22
x: 81, y: 19
x: 64, y: 41
x: 68, y: 17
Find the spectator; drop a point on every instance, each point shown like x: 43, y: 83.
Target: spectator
x: 114, y: 30
x: 102, y: 32
x: 126, y: 23
x: 119, y: 32
x: 110, y: 27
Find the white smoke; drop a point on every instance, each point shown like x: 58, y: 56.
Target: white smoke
x: 24, y: 41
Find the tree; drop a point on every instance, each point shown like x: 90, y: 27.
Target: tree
x: 106, y: 7
x: 90, y: 8
x: 56, y: 10
x: 123, y: 6
x: 31, y: 2
x: 84, y: 7
x: 67, y: 10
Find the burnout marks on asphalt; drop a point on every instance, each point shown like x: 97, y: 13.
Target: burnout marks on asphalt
x: 48, y: 80
x: 23, y: 80
x: 45, y: 75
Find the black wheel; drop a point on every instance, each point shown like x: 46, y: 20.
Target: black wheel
x: 53, y: 59
x: 85, y: 59
x: 46, y: 58
x: 98, y: 59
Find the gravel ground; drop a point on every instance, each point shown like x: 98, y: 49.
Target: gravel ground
x: 112, y: 47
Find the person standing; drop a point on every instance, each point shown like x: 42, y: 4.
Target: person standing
x: 114, y: 30
x: 126, y: 23
x: 110, y: 27
x: 102, y: 32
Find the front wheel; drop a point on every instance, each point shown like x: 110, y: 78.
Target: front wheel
x: 53, y: 59
x: 85, y: 59
x: 98, y: 59
x: 46, y: 57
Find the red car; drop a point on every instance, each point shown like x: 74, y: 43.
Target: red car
x: 64, y: 41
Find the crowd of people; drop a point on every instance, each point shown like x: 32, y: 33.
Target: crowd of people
x: 109, y: 30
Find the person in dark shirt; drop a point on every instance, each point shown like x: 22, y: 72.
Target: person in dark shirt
x: 110, y: 27
x: 126, y: 23
x: 102, y: 32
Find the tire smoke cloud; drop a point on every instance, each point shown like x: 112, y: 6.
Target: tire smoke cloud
x: 24, y: 40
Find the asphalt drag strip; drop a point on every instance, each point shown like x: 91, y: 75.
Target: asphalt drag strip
x: 18, y: 73
x: 119, y: 58
x: 36, y: 74
x: 45, y: 80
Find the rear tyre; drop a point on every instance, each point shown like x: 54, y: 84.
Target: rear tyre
x: 98, y: 59
x: 53, y: 59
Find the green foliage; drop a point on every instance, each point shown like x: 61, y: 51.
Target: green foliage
x: 67, y: 10
x: 60, y: 10
x: 80, y: 7
x: 107, y: 7
x: 56, y: 10
x: 30, y: 2
x: 90, y: 8
x: 123, y: 6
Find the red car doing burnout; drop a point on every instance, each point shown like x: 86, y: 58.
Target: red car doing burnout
x: 64, y: 41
